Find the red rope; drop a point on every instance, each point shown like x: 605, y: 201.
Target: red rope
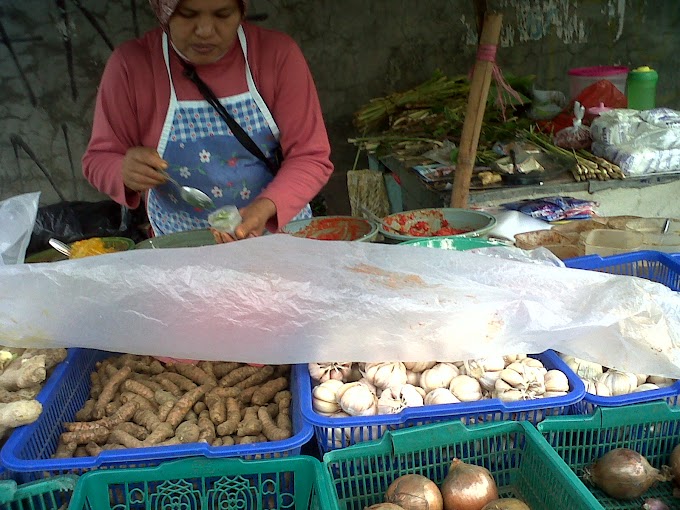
x: 487, y: 53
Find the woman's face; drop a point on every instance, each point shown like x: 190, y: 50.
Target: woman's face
x: 204, y: 30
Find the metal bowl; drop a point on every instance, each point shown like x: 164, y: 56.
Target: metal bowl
x: 473, y: 223
x: 333, y: 228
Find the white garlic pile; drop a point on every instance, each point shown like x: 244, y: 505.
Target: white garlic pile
x: 390, y: 387
x: 608, y: 382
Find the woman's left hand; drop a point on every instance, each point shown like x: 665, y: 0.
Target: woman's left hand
x: 255, y: 216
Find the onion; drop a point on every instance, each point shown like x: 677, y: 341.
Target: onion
x: 414, y: 492
x: 384, y: 506
x: 624, y: 474
x: 507, y: 504
x: 468, y: 487
x: 655, y: 504
x: 675, y: 464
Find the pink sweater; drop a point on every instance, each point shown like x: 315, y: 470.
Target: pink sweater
x: 134, y: 95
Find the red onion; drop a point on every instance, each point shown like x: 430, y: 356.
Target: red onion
x: 624, y: 474
x: 655, y: 504
x: 414, y: 492
x: 507, y: 504
x: 468, y: 487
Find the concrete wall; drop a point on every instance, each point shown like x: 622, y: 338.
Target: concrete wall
x: 53, y: 53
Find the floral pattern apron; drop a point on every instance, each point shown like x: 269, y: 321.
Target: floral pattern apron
x: 203, y: 153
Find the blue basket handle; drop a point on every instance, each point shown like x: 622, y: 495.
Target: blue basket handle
x: 438, y: 434
x: 649, y: 411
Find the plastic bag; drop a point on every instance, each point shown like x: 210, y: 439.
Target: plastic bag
x: 577, y: 136
x: 17, y: 216
x: 74, y: 221
x: 282, y: 299
x: 225, y: 219
x: 554, y: 208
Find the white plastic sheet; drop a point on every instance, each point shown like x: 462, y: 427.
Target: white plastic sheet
x: 280, y: 299
x: 17, y: 216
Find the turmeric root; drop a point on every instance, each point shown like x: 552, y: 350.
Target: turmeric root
x: 170, y: 387
x: 246, y: 395
x: 207, y: 428
x: 124, y: 414
x: 121, y: 437
x: 207, y: 367
x: 144, y: 379
x: 15, y: 414
x: 97, y: 435
x: 216, y: 407
x: 164, y: 410
x: 80, y: 452
x: 250, y: 425
x: 95, y: 385
x: 23, y: 373
x: 138, y: 388
x: 136, y: 431
x: 185, y: 403
x: 65, y: 450
x: 144, y: 403
x: 220, y: 369
x: 262, y: 374
x: 270, y: 429
x: 162, y: 396
x: 217, y: 442
x: 248, y: 440
x: 188, y: 432
x: 194, y: 373
x: 179, y: 380
x: 85, y: 413
x: 161, y: 433
x: 142, y: 365
x: 228, y: 441
x: 268, y: 391
x: 230, y: 426
x: 109, y: 390
x: 112, y: 407
x: 236, y: 376
x: 146, y: 419
x: 199, y: 407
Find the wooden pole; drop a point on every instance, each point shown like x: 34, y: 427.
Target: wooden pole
x: 474, y: 116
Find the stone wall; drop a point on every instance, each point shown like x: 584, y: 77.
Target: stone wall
x: 53, y: 53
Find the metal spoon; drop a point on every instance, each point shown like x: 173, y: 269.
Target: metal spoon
x: 666, y: 224
x: 374, y: 217
x: 62, y: 248
x: 191, y: 196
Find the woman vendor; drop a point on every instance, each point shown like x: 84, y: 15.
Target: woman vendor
x: 153, y: 113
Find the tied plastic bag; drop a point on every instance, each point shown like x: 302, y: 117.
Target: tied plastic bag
x: 17, y: 216
x: 225, y: 219
x: 554, y: 208
x: 577, y: 136
x: 281, y: 299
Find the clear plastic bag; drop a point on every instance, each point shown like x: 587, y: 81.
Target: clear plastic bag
x: 225, y: 219
x: 17, y: 217
x: 577, y: 136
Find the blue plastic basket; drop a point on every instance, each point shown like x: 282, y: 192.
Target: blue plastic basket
x: 650, y: 265
x: 29, y: 450
x: 335, y: 433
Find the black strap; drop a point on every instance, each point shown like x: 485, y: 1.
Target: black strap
x: 239, y: 132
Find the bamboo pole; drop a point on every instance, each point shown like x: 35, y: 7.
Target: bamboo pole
x: 479, y: 92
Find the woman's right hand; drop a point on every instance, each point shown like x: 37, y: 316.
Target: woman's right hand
x: 140, y: 168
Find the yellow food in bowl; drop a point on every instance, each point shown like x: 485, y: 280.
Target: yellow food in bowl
x: 89, y: 247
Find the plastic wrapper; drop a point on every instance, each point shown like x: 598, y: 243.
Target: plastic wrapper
x: 281, y: 299
x: 639, y: 161
x: 17, y: 216
x: 554, y: 208
x: 225, y: 219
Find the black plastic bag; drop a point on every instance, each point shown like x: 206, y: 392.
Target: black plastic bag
x: 74, y: 221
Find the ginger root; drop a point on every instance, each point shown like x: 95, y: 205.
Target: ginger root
x: 16, y: 414
x: 23, y: 373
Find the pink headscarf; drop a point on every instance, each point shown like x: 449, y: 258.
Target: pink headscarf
x: 163, y: 9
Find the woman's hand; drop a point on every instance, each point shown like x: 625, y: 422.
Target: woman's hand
x: 140, y: 168
x: 255, y: 216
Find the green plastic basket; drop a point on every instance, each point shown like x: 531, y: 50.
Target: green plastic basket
x: 522, y: 463
x: 49, y: 494
x: 651, y: 429
x: 194, y: 483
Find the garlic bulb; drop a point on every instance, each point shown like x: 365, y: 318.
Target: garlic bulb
x: 439, y: 376
x: 440, y: 396
x: 595, y: 387
x: 419, y: 366
x: 661, y: 382
x: 556, y: 381
x: 322, y: 372
x: 584, y: 369
x: 646, y: 387
x: 477, y: 367
x: 466, y: 388
x: 488, y: 380
x: 338, y: 437
x: 412, y: 377
x: 324, y: 397
x: 511, y: 358
x: 385, y: 375
x: 641, y: 379
x: 357, y: 399
x: 354, y: 374
x: 619, y: 383
x: 394, y: 399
